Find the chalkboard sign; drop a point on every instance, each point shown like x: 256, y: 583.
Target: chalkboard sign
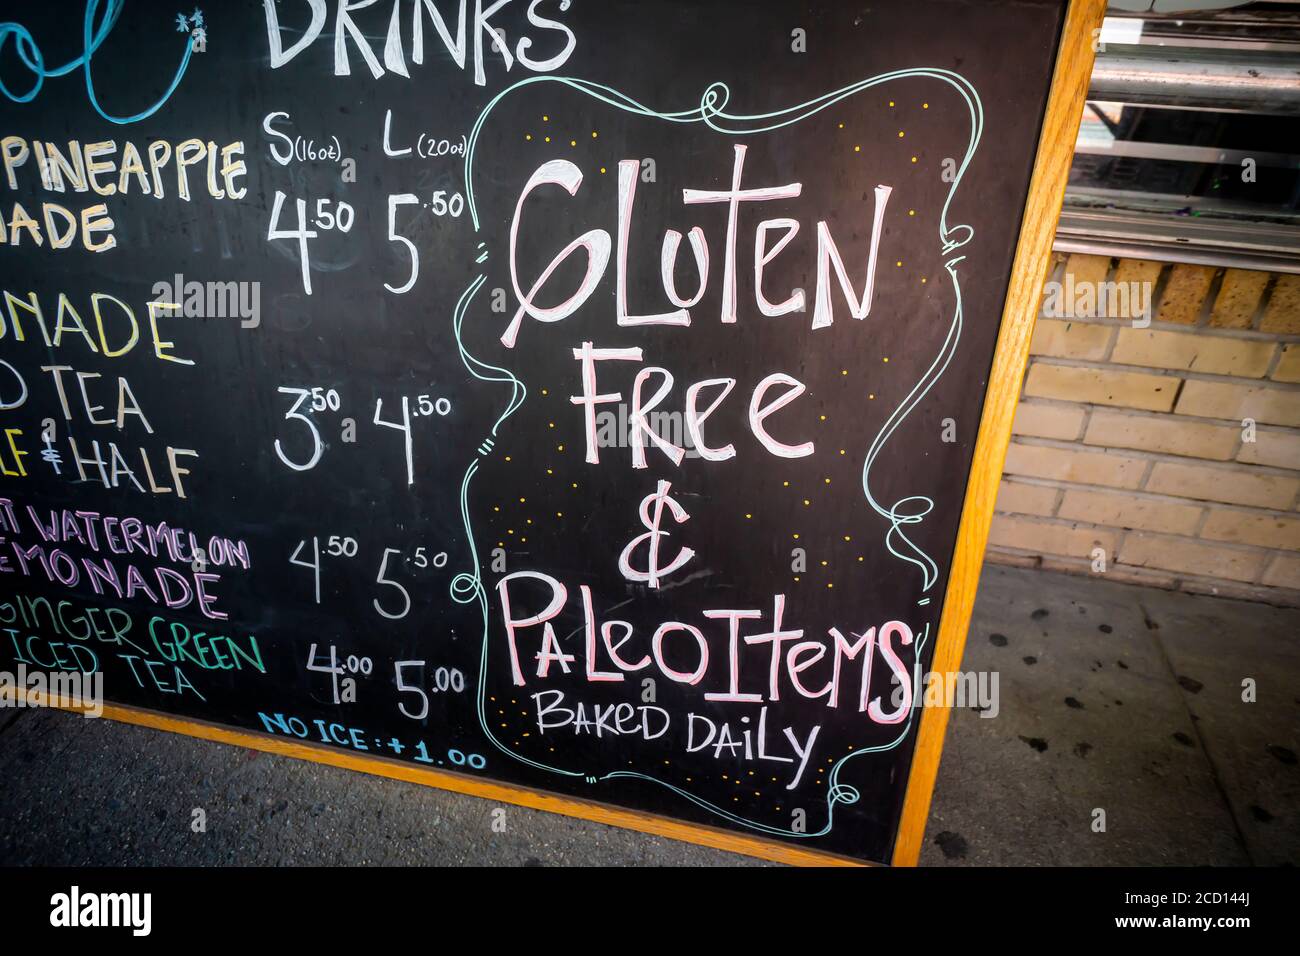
x: 593, y: 405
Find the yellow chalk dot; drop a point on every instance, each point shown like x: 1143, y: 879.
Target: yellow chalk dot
x: 829, y: 585
x: 594, y: 134
x: 841, y: 126
x: 795, y: 536
x: 602, y: 169
x: 806, y: 502
x: 913, y: 159
x: 823, y: 418
x: 841, y: 451
x: 900, y: 134
x: 546, y: 119
x: 548, y: 139
x: 899, y: 262
x: 825, y: 563
x: 891, y: 102
x: 575, y: 484
x: 522, y: 500
x: 923, y: 280
x: 528, y: 136
x: 911, y: 212
x: 496, y: 507
x: 857, y: 149
x: 871, y: 395
x: 549, y: 471
x: 559, y: 514
x: 545, y: 392
x: 573, y: 142
x: 885, y: 359
x: 925, y: 106
x: 828, y: 481
x: 559, y: 448
x: 844, y: 371
x: 507, y: 457
x: 847, y: 538
x: 796, y: 577
x: 749, y: 516
x: 861, y: 558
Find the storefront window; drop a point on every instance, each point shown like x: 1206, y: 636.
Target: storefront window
x: 1189, y: 148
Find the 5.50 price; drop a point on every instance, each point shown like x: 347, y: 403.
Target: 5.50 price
x: 440, y: 204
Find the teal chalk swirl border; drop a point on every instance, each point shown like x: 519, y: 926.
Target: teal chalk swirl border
x: 92, y: 38
x: 906, y: 513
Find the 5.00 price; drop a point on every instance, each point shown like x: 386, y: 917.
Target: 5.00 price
x: 445, y: 680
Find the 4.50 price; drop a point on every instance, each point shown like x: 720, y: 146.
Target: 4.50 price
x: 330, y: 216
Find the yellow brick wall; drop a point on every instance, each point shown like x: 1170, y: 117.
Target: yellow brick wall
x: 1165, y: 453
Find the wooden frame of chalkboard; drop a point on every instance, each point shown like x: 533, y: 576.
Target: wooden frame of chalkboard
x: 1064, y: 105
x: 1070, y: 78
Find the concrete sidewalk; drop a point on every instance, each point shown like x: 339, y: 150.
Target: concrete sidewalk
x: 1114, y: 698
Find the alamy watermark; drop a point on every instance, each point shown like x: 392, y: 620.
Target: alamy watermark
x: 211, y: 300
x: 75, y: 689
x: 977, y: 690
x: 614, y: 429
x: 75, y: 908
x: 1089, y: 299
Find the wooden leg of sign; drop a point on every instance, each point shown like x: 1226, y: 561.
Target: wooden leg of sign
x: 1046, y: 191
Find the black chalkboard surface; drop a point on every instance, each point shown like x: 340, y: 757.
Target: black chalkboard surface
x: 574, y: 395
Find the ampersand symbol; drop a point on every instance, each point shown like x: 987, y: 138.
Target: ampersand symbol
x: 652, y: 519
